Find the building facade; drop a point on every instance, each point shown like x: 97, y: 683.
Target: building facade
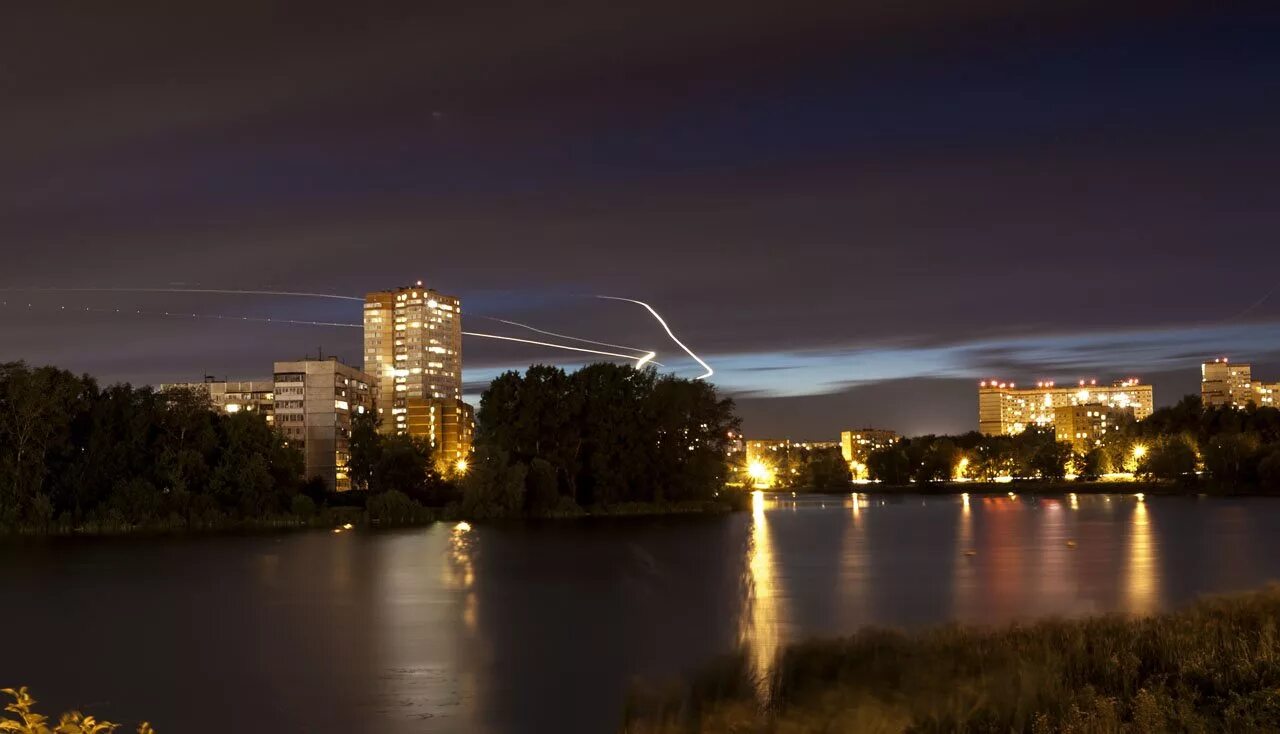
x: 1224, y: 383
x: 1086, y: 425
x: 856, y: 445
x: 315, y: 402
x: 1006, y: 409
x: 256, y: 396
x: 765, y: 449
x: 413, y: 349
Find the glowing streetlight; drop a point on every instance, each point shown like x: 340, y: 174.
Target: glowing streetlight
x: 759, y: 473
x: 1139, y: 451
x: 460, y: 466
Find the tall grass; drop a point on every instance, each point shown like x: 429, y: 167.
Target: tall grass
x: 1212, y: 667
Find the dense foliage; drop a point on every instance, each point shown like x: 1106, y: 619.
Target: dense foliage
x: 25, y: 720
x: 1214, y: 667
x: 74, y: 454
x: 1224, y: 448
x: 549, y: 441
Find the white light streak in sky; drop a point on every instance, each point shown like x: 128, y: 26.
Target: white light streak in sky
x: 645, y: 356
x: 709, y: 372
x: 218, y: 291
x: 631, y: 357
x: 639, y: 360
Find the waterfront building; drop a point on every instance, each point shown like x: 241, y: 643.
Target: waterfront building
x: 1006, y: 409
x: 1223, y: 383
x: 767, y: 449
x: 255, y: 396
x: 413, y: 348
x: 315, y: 402
x: 1085, y: 425
x: 856, y: 445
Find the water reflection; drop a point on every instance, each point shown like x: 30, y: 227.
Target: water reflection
x: 964, y: 579
x: 459, y: 573
x: 1142, y: 580
x: 530, y: 627
x: 759, y: 622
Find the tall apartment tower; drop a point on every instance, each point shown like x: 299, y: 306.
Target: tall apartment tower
x: 315, y: 400
x: 413, y: 347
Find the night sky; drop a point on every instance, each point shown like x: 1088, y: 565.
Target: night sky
x: 854, y: 211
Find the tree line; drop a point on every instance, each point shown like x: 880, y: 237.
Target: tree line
x: 1224, y: 447
x: 75, y: 454
x: 552, y: 442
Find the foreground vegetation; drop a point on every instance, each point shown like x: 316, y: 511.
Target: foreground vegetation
x: 1212, y: 667
x: 25, y: 720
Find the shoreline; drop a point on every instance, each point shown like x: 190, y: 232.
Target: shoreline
x: 1208, y: 666
x: 337, y: 518
x: 1031, y: 487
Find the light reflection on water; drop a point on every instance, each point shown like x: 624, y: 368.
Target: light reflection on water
x: 530, y: 627
x: 759, y: 619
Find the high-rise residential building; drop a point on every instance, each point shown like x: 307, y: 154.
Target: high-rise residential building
x: 1223, y: 382
x: 1006, y: 409
x: 1085, y: 426
x: 315, y: 401
x: 413, y: 347
x: 257, y: 396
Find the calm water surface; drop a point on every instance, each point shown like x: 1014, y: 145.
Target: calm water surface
x: 540, y: 627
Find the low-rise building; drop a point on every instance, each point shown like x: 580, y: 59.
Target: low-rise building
x: 857, y: 444
x: 764, y: 449
x: 1085, y: 426
x: 254, y: 396
x: 315, y: 402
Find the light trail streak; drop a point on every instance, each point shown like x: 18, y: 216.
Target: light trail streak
x: 630, y: 357
x: 709, y: 372
x: 645, y: 355
x: 218, y: 291
x: 640, y: 361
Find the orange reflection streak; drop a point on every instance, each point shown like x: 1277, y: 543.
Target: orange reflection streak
x: 964, y: 579
x: 759, y: 623
x: 459, y: 572
x: 1142, y: 577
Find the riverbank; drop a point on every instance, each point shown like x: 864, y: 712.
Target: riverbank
x: 379, y: 511
x: 1040, y: 487
x: 1214, y: 666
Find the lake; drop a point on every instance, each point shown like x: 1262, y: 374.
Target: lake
x: 536, y: 627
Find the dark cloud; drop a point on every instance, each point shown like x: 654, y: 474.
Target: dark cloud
x: 778, y: 178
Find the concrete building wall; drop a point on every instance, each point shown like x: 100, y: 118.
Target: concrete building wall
x: 316, y: 401
x: 1006, y: 409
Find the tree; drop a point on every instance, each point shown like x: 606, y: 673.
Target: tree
x: 365, y: 446
x: 890, y: 465
x: 1233, y: 458
x: 1172, y: 458
x: 493, y: 487
x: 827, y: 471
x: 1050, y: 459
